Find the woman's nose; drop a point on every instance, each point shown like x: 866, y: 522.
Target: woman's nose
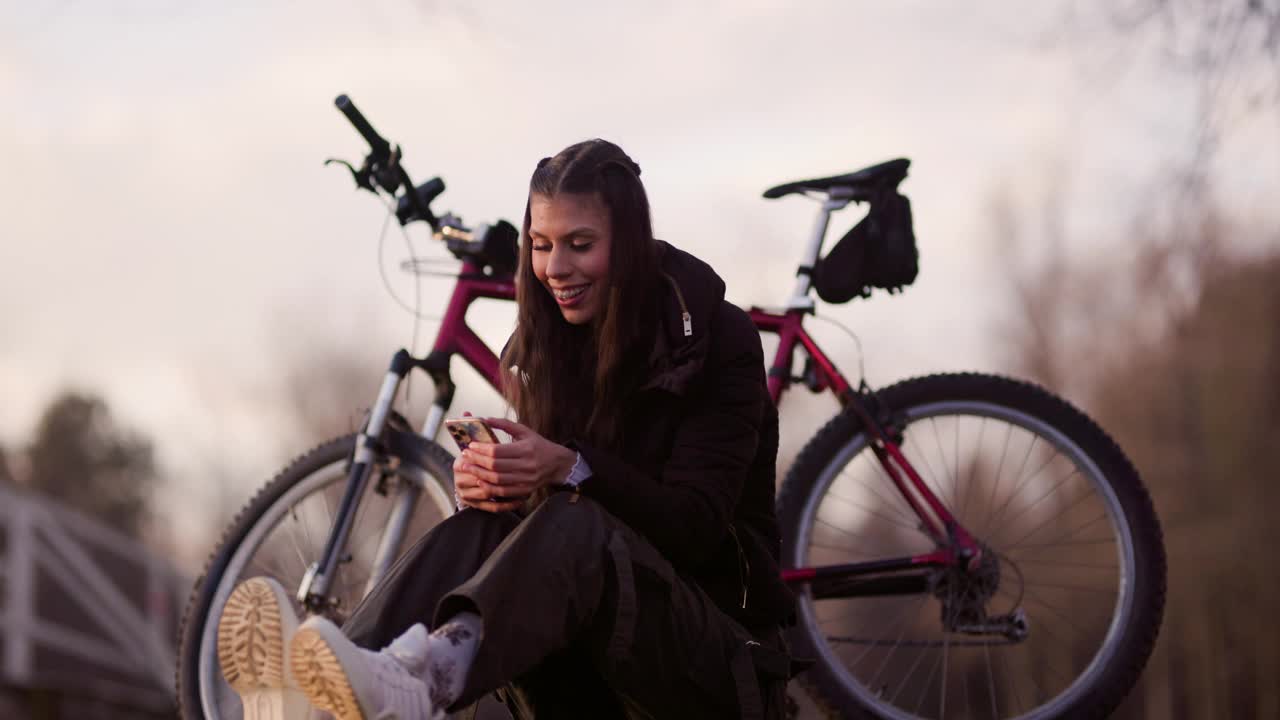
x: 558, y: 265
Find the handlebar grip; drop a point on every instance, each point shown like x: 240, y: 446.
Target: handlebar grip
x: 381, y: 148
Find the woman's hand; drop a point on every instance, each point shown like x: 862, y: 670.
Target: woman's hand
x: 496, y: 477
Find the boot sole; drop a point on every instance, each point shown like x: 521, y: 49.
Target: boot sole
x: 321, y: 677
x: 251, y: 638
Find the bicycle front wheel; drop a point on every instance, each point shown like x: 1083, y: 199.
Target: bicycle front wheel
x: 282, y: 530
x: 1058, y: 619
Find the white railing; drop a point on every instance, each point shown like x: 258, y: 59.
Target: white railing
x: 83, y: 608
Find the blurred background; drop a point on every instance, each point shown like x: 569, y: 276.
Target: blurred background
x: 189, y: 299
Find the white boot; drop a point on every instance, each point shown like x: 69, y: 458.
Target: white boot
x: 253, y: 632
x: 358, y: 684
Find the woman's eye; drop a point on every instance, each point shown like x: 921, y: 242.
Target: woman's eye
x: 582, y: 247
x: 541, y: 248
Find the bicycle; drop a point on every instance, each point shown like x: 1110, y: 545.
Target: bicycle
x: 890, y: 589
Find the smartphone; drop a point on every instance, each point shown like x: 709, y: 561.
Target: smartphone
x: 467, y: 430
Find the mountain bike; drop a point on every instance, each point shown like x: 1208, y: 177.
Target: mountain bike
x: 961, y: 545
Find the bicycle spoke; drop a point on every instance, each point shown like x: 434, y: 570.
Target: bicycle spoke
x: 839, y: 529
x: 924, y: 693
x: 931, y: 478
x: 274, y: 570
x: 1059, y: 563
x: 878, y: 471
x: 1064, y: 539
x: 876, y: 643
x: 942, y: 455
x: 910, y: 672
x: 946, y: 652
x: 1009, y: 522
x: 855, y: 554
x: 1017, y: 698
x: 1018, y: 484
x: 302, y: 559
x: 1031, y: 595
x: 1070, y: 533
x: 955, y: 465
x: 991, y: 682
x: 889, y: 655
x: 829, y: 620
x: 306, y: 529
x: 991, y: 502
x: 973, y: 468
x: 328, y: 511
x: 1075, y: 588
x: 1043, y: 660
x: 1018, y: 489
x: 869, y: 511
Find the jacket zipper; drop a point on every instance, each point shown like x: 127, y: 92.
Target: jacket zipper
x: 684, y: 309
x: 744, y: 567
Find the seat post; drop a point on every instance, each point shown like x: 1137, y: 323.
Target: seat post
x: 800, y: 299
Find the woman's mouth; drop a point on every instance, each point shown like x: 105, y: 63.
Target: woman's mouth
x: 568, y: 297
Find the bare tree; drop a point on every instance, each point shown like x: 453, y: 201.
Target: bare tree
x: 82, y: 458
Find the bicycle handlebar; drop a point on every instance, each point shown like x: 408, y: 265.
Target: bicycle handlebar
x: 389, y: 172
x: 381, y: 148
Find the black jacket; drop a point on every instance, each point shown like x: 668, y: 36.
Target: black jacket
x: 695, y: 474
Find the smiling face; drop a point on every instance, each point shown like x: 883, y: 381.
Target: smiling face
x: 571, y: 236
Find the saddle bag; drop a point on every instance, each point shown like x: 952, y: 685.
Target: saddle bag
x: 879, y: 252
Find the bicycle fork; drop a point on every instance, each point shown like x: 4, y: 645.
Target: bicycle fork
x: 317, y: 583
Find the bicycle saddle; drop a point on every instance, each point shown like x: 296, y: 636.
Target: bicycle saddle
x: 862, y: 182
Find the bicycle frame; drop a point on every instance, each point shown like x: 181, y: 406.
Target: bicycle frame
x: 904, y: 575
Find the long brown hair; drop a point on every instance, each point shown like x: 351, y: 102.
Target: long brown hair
x: 554, y: 358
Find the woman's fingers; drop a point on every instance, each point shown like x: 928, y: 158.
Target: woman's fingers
x: 502, y: 464
x: 483, y: 473
x: 517, y: 474
x: 511, y: 484
x: 512, y: 428
x: 479, y: 490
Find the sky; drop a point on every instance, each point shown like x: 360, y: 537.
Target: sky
x: 170, y: 239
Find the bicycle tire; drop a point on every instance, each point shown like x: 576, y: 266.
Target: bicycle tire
x: 962, y: 400
x: 306, y: 470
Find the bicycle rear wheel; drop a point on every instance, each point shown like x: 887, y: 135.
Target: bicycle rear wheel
x: 280, y: 532
x: 1070, y: 539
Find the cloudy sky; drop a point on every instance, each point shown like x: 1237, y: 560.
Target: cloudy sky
x: 169, y: 238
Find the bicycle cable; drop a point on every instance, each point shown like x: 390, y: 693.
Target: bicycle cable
x: 416, y: 310
x: 862, y: 370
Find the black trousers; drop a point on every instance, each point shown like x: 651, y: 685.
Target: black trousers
x: 582, y: 617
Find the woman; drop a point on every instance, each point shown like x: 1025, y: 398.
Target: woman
x: 644, y: 581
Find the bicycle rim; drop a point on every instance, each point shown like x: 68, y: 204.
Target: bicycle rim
x: 286, y: 538
x: 1038, y: 502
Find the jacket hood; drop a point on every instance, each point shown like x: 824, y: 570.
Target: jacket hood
x: 691, y: 294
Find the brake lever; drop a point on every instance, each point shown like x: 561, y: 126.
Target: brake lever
x: 361, y: 176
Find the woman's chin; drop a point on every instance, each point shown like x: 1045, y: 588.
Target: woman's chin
x: 575, y: 315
